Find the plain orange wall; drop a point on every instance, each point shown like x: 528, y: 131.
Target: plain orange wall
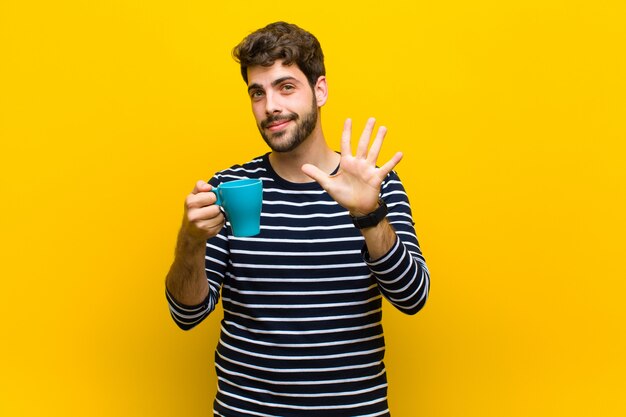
x: 511, y: 116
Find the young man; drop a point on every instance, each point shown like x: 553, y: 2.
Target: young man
x: 302, y: 333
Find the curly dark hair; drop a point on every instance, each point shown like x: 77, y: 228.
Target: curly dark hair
x: 281, y: 41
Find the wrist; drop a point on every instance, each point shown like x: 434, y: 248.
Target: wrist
x: 371, y: 219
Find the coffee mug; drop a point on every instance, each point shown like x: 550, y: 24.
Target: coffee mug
x: 242, y: 201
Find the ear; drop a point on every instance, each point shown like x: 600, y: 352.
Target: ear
x: 321, y: 91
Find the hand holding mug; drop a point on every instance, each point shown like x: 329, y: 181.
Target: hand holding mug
x: 203, y: 218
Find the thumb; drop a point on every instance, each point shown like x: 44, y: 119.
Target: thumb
x: 316, y: 174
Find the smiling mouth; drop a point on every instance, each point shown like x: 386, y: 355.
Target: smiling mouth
x: 277, y: 125
x: 277, y: 122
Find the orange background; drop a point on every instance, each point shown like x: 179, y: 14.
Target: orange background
x: 511, y: 116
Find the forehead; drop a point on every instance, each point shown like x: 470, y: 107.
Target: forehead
x: 264, y: 76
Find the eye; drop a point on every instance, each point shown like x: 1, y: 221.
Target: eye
x: 256, y: 94
x: 288, y: 88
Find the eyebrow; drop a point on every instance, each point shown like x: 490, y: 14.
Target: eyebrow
x: 274, y: 83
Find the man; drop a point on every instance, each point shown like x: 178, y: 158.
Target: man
x: 302, y: 333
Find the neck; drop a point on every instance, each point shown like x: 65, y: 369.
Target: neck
x: 314, y: 150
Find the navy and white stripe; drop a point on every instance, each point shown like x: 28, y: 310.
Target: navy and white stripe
x: 302, y: 333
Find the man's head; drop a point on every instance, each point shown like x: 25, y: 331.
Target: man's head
x: 283, y: 67
x: 284, y: 42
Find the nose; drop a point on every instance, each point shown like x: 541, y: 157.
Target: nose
x: 272, y: 104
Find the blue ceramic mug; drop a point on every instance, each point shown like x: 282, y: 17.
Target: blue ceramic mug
x: 242, y: 201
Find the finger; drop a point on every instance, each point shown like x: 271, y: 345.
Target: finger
x: 212, y: 226
x: 205, y: 214
x: 374, y: 151
x: 390, y: 165
x: 346, y: 149
x: 316, y: 174
x: 201, y: 186
x: 364, y: 141
x: 203, y: 199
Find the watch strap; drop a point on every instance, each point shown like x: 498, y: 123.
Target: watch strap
x: 373, y: 218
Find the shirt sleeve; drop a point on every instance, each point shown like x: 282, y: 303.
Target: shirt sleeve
x: 402, y: 274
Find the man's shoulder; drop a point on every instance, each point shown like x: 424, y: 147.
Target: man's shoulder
x: 254, y: 168
x: 392, y: 188
x: 391, y: 178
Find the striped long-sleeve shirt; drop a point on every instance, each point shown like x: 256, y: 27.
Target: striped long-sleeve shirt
x: 302, y: 333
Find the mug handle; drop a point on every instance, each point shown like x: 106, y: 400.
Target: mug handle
x: 215, y: 190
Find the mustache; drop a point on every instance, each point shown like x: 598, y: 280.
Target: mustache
x: 281, y: 118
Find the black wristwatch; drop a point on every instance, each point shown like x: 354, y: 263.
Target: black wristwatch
x: 373, y: 218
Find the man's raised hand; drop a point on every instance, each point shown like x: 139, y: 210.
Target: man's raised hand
x: 356, y: 185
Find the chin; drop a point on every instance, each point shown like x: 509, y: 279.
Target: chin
x: 280, y: 142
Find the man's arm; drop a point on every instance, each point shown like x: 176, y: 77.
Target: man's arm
x: 188, y: 291
x: 379, y: 239
x: 186, y: 280
x: 402, y: 275
x: 396, y: 262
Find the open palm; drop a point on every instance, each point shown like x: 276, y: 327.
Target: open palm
x: 357, y: 184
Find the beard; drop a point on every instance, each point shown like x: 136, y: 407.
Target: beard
x: 281, y: 141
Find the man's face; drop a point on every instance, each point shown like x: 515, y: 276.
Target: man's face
x: 283, y: 104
